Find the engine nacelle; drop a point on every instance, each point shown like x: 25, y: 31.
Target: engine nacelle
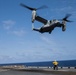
x: 33, y: 15
x: 63, y: 27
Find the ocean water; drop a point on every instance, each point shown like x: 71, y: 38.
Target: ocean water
x: 64, y: 63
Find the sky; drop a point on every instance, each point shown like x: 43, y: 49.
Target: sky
x: 18, y: 43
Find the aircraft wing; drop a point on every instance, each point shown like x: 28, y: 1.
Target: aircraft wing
x: 40, y: 19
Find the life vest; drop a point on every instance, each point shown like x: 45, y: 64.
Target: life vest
x: 55, y: 63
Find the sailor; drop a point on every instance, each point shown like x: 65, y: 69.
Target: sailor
x: 55, y: 63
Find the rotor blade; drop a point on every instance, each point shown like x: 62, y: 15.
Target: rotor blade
x: 69, y: 21
x: 42, y: 7
x: 67, y: 16
x: 65, y: 20
x: 27, y: 7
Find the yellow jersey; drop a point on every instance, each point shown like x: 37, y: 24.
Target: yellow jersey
x: 55, y: 63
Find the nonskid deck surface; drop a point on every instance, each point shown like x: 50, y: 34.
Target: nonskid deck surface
x: 37, y: 71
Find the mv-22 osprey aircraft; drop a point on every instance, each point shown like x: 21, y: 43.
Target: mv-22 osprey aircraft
x: 48, y: 25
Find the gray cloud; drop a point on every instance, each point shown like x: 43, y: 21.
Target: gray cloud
x: 18, y: 32
x: 6, y: 59
x: 8, y: 24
